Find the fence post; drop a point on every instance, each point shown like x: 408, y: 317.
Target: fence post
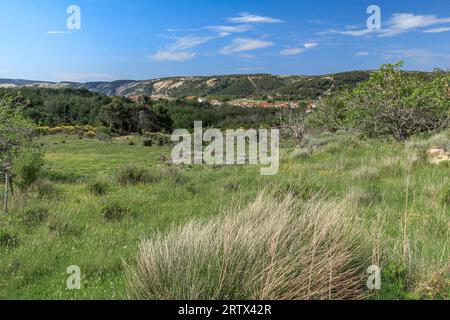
x: 6, y: 193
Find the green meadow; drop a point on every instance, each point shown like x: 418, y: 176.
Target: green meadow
x: 80, y: 214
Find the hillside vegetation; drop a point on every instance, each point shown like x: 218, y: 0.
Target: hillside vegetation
x: 223, y: 87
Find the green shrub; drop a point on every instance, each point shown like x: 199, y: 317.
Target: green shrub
x: 44, y: 189
x: 147, y: 143
x: 314, y: 142
x: 61, y: 226
x: 175, y: 175
x: 99, y: 187
x: 34, y: 215
x: 27, y: 167
x: 394, y: 279
x: 115, y: 211
x: 103, y: 133
x: 134, y: 175
x: 398, y: 103
x: 8, y: 239
x: 445, y: 195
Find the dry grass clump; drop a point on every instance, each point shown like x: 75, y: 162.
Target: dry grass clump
x: 301, y: 154
x: 365, y: 172
x: 273, y: 249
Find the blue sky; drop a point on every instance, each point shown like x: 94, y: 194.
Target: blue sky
x: 144, y: 39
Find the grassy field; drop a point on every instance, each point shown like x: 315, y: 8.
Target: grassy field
x: 404, y: 207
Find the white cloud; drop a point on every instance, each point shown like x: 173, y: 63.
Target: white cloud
x: 419, y: 56
x: 356, y: 33
x: 180, y: 56
x: 362, y: 54
x: 438, y: 30
x: 227, y: 30
x: 296, y: 51
x: 291, y: 51
x: 58, y: 32
x: 188, y: 42
x: 406, y: 22
x: 245, y: 44
x: 246, y: 17
x: 398, y: 24
x: 311, y: 45
x: 177, y: 50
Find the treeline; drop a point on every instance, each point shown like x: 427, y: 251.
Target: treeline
x: 120, y: 115
x: 184, y: 113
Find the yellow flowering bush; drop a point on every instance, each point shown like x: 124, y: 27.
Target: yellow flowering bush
x: 85, y: 130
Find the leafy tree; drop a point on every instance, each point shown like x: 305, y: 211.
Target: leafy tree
x: 124, y: 116
x: 399, y: 104
x: 330, y: 113
x: 16, y: 133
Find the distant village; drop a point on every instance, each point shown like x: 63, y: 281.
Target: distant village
x: 243, y: 103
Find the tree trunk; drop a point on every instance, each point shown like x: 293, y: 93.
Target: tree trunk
x: 6, y: 193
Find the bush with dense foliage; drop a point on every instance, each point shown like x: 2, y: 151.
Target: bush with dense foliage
x: 396, y: 103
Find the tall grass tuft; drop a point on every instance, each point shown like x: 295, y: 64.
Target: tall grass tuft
x: 98, y: 187
x: 129, y: 175
x: 273, y: 249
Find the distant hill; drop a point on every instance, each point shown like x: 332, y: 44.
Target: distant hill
x: 264, y: 86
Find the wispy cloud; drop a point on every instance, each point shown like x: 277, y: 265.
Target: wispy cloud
x: 177, y: 50
x: 181, y: 48
x: 298, y: 50
x: 405, y: 22
x: 310, y: 45
x: 179, y: 56
x: 398, y: 24
x: 224, y: 30
x: 292, y: 51
x: 58, y: 32
x: 245, y: 44
x: 356, y: 33
x: 419, y: 56
x: 246, y: 17
x: 362, y: 54
x: 438, y: 30
x: 188, y: 42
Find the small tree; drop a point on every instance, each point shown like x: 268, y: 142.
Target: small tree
x: 293, y: 120
x: 330, y: 113
x: 399, y: 103
x: 16, y: 133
